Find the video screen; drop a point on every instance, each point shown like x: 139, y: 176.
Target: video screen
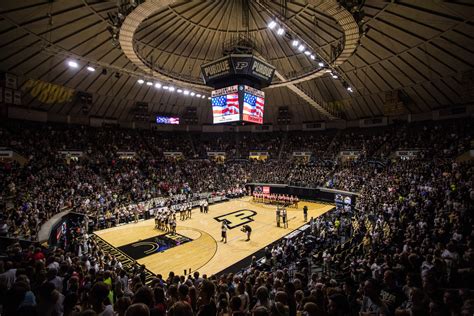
x: 225, y: 105
x: 167, y: 120
x: 254, y: 101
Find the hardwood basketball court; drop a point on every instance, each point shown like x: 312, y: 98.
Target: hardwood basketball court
x: 197, y: 244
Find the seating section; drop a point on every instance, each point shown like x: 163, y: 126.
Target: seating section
x: 405, y: 249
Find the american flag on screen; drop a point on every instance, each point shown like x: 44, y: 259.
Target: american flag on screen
x: 167, y: 120
x: 253, y: 105
x: 225, y: 104
x: 174, y: 120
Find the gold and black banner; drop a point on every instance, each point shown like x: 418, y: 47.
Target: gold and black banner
x: 48, y: 93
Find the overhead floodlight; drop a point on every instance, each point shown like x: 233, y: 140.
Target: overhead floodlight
x: 208, y: 98
x: 307, y: 53
x: 272, y: 24
x: 334, y: 76
x: 180, y: 91
x: 171, y: 89
x: 141, y: 81
x: 73, y: 64
x: 312, y: 57
x: 198, y: 95
x: 321, y: 64
x: 186, y: 92
x: 301, y: 48
x: 158, y: 85
x: 149, y: 83
x: 193, y: 94
x: 90, y: 68
x: 350, y: 89
x: 166, y: 87
x: 203, y: 96
x: 280, y: 31
x: 295, y: 43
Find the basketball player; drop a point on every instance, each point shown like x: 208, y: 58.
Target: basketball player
x: 305, y: 213
x: 157, y: 220
x: 247, y: 229
x: 168, y: 222
x: 224, y: 229
x: 160, y: 220
x: 189, y: 211
x: 278, y: 216
x: 182, y: 212
x: 135, y: 214
x: 206, y: 206
x: 173, y: 225
x: 284, y: 217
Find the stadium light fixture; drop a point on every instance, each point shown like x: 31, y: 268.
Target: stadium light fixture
x: 334, y: 76
x: 321, y: 64
x: 186, y: 92
x: 166, y: 87
x: 171, y: 89
x: 208, y: 98
x: 350, y: 89
x: 281, y: 31
x: 203, y: 96
x: 90, y: 68
x: 198, y: 95
x: 193, y: 94
x: 301, y: 48
x: 149, y: 83
x: 141, y: 81
x: 307, y: 53
x: 158, y: 85
x: 272, y: 25
x: 312, y: 57
x: 73, y: 64
x: 295, y: 43
x: 179, y: 91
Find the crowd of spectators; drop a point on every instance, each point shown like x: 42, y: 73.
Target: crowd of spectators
x: 405, y: 249
x: 315, y: 143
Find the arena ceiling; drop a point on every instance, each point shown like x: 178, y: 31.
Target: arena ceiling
x: 421, y: 47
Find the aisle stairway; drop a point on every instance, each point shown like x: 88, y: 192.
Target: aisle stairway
x: 283, y: 143
x: 328, y: 153
x: 195, y: 154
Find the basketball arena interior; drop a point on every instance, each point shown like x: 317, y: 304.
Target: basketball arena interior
x: 236, y: 157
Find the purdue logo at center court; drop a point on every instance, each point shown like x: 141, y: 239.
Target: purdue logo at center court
x: 237, y: 218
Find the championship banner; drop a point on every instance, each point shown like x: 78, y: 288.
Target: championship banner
x: 48, y: 93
